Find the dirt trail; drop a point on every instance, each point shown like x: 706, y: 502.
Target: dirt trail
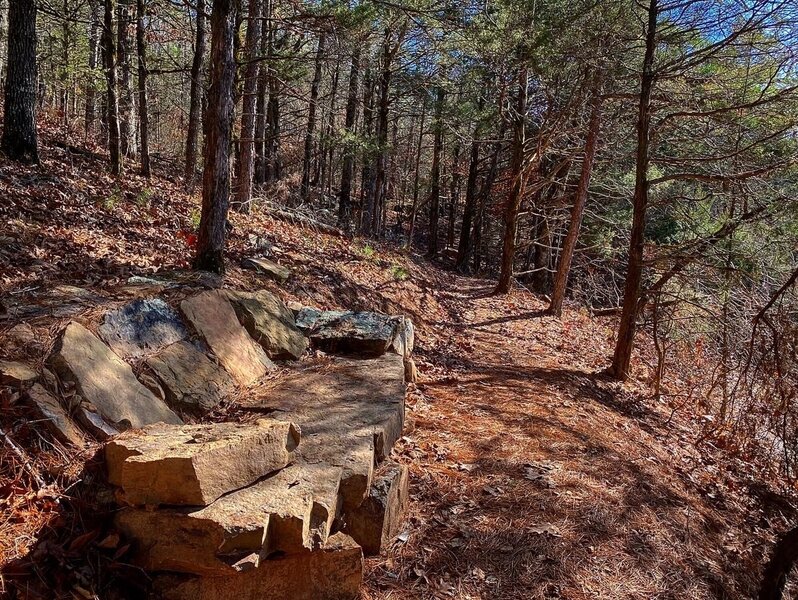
x: 533, y: 477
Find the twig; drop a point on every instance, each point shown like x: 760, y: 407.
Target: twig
x: 26, y: 462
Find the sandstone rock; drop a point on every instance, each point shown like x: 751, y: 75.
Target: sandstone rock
x: 411, y: 371
x: 270, y: 323
x: 289, y: 511
x: 347, y: 332
x: 213, y: 317
x: 91, y: 421
x: 266, y: 267
x: 192, y: 382
x: 333, y: 573
x: 377, y: 520
x: 105, y: 380
x: 194, y: 465
x: 142, y: 327
x: 52, y: 416
x: 17, y: 374
x: 342, y: 399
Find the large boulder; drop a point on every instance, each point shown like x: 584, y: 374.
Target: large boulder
x: 191, y: 381
x: 270, y: 323
x: 290, y: 511
x: 193, y: 465
x: 212, y: 315
x: 142, y: 327
x: 105, y: 380
x: 49, y: 413
x: 364, y: 333
x: 378, y: 518
x: 335, y: 572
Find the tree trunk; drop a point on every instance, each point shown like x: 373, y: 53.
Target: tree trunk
x: 454, y: 195
x: 273, y: 162
x: 218, y: 135
x: 435, y: 176
x: 111, y: 101
x: 416, y: 174
x: 578, y: 209
x: 195, y: 102
x: 779, y: 566
x: 327, y: 146
x: 634, y: 273
x: 366, y: 173
x: 347, y: 172
x: 311, y: 127
x: 94, y: 46
x: 19, y: 121
x: 127, y: 126
x: 517, y: 193
x: 464, y: 247
x: 259, y: 168
x: 246, y: 161
x: 144, y: 118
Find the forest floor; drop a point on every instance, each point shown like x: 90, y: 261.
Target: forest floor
x: 532, y: 476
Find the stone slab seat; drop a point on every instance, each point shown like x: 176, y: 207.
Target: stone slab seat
x: 213, y: 317
x: 193, y: 465
x: 290, y: 511
x: 105, y: 380
x: 334, y: 572
x: 342, y: 399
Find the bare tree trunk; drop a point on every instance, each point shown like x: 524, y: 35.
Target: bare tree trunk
x: 435, y: 176
x: 311, y: 127
x: 195, y: 102
x: 464, y: 247
x: 246, y: 161
x: 111, y: 101
x: 326, y: 154
x: 779, y: 566
x: 367, y: 172
x: 578, y: 209
x: 514, y: 205
x: 273, y: 162
x: 484, y: 193
x: 416, y: 174
x: 144, y: 118
x: 127, y: 126
x: 347, y: 172
x: 218, y: 135
x: 19, y: 121
x: 94, y: 46
x: 454, y: 195
x: 259, y: 168
x: 634, y: 273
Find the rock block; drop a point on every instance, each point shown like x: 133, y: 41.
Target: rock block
x: 377, y: 520
x: 17, y: 374
x: 364, y: 333
x: 343, y: 399
x: 51, y: 415
x: 213, y: 317
x: 335, y: 572
x: 266, y: 267
x: 270, y: 323
x: 290, y: 511
x: 142, y: 327
x: 193, y: 465
x: 192, y: 382
x: 105, y: 380
x: 91, y: 421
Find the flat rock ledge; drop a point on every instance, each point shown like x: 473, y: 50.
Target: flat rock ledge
x: 191, y: 464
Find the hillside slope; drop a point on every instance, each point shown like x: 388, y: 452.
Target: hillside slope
x: 531, y: 475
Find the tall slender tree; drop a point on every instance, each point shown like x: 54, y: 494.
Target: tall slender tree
x: 111, y: 97
x: 19, y: 121
x: 218, y: 136
x: 143, y: 107
x: 195, y: 99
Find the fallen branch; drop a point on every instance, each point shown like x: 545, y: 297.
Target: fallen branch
x: 23, y: 456
x: 298, y: 219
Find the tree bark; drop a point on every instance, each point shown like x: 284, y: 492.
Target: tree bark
x: 246, y: 162
x: 311, y: 126
x: 94, y: 46
x: 348, y: 170
x: 144, y: 117
x: 111, y: 101
x: 416, y: 174
x: 517, y: 193
x: 127, y: 126
x: 464, y: 246
x: 634, y: 273
x: 259, y: 168
x: 272, y: 160
x: 435, y: 176
x: 454, y: 195
x: 578, y: 209
x: 195, y: 102
x: 19, y: 121
x: 779, y: 566
x: 218, y: 135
